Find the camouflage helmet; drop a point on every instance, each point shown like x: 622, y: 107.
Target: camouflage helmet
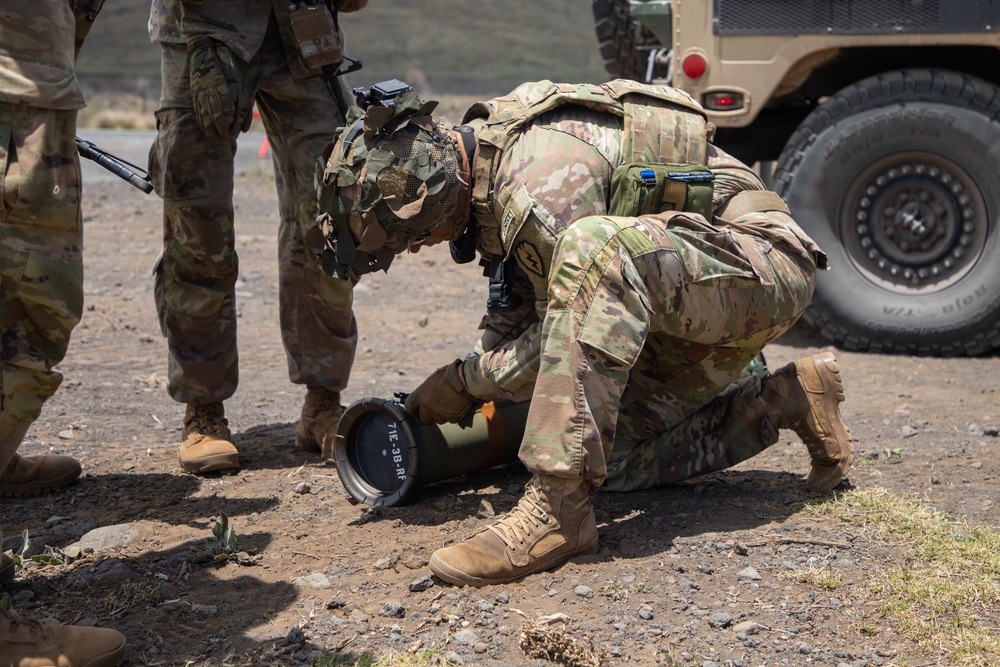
x: 392, y: 174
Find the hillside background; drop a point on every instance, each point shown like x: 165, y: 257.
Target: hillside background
x: 454, y: 47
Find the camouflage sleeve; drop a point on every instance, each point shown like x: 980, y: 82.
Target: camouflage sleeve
x: 501, y: 364
x: 85, y: 11
x: 508, y: 370
x: 731, y: 176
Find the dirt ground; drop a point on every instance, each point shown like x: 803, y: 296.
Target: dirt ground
x: 670, y: 584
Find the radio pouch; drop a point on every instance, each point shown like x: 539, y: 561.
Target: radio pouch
x: 644, y: 189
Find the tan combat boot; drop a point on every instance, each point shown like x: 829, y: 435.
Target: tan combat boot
x: 318, y: 421
x: 805, y: 396
x: 207, y: 441
x: 28, y: 643
x: 552, y: 522
x: 33, y: 475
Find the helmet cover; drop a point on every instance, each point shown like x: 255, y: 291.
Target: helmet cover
x: 391, y: 175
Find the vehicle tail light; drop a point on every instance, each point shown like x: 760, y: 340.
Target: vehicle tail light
x: 694, y: 66
x: 723, y: 101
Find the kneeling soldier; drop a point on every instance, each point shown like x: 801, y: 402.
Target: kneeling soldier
x: 636, y: 270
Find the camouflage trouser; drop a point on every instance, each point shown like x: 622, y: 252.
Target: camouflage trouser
x: 194, y: 281
x: 41, y: 257
x: 646, y: 335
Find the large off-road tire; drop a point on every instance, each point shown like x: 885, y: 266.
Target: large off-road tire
x: 897, y: 178
x: 625, y: 44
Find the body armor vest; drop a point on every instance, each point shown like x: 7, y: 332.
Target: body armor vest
x: 660, y: 124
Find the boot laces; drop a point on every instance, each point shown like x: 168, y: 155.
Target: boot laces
x: 208, y: 420
x: 523, y: 519
x: 30, y: 623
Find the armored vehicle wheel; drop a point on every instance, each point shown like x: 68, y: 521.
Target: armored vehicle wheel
x: 625, y: 44
x: 897, y: 178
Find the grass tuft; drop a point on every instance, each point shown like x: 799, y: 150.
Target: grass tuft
x: 944, y: 595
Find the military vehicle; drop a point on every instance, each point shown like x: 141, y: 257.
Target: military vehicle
x: 877, y: 122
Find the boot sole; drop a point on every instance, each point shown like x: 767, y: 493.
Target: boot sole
x: 211, y: 463
x: 459, y: 578
x: 828, y: 371
x: 42, y: 486
x: 109, y: 659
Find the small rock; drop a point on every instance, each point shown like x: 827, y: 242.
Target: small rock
x: 385, y: 563
x: 454, y: 659
x: 749, y: 573
x: 392, y: 610
x: 204, y: 610
x: 302, y: 488
x: 503, y: 598
x: 720, y: 620
x: 480, y: 647
x: 295, y: 637
x: 108, y: 538
x: 746, y: 627
x: 358, y: 616
x: 415, y: 562
x: 485, y: 510
x: 22, y: 597
x: 907, y: 431
x: 421, y: 584
x: 646, y: 612
x: 336, y: 603
x: 584, y: 591
x: 804, y: 648
x: 484, y: 606
x: 466, y: 637
x: 314, y: 580
x: 66, y: 435
x: 976, y: 464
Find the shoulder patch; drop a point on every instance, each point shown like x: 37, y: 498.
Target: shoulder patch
x: 529, y: 259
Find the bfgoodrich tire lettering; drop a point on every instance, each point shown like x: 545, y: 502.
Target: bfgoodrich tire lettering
x: 897, y: 178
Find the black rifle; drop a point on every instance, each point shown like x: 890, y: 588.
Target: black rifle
x: 116, y: 165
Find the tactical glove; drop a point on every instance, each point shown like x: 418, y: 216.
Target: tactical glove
x: 442, y: 397
x: 220, y: 99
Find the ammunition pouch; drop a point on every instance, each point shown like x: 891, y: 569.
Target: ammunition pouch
x: 646, y: 189
x: 312, y: 35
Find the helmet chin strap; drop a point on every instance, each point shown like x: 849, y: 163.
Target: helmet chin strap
x: 463, y: 250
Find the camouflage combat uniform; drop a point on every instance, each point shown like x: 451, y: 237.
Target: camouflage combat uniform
x: 41, y: 235
x: 635, y: 330
x: 195, y: 278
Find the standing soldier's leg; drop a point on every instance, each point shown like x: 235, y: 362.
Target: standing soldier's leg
x: 41, y: 271
x: 318, y: 328
x: 196, y: 276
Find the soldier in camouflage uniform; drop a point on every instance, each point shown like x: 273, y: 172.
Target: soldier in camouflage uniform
x: 218, y: 58
x: 633, y: 331
x: 41, y: 273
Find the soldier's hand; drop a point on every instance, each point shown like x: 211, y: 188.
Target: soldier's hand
x: 442, y: 397
x: 221, y: 102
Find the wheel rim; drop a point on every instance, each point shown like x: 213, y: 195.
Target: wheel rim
x: 914, y: 222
